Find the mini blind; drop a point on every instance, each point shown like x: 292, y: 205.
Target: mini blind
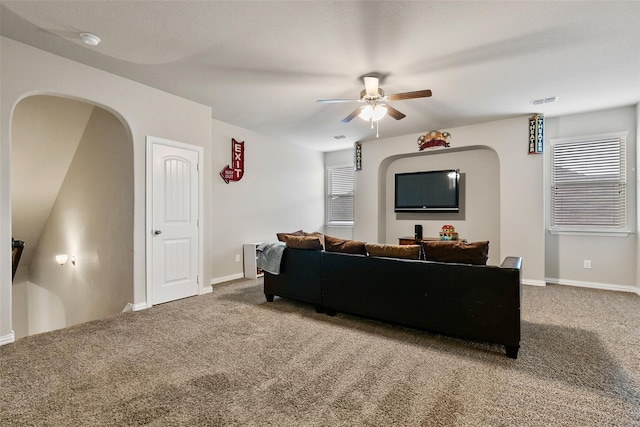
x: 589, y: 183
x: 340, y: 194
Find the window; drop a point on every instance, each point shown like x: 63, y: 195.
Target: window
x: 340, y: 195
x: 588, y: 183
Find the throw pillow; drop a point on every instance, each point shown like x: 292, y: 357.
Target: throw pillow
x: 393, y: 251
x: 456, y: 251
x: 334, y: 244
x: 318, y: 235
x: 303, y: 242
x: 281, y: 236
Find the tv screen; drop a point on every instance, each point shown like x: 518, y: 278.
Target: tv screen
x: 432, y: 191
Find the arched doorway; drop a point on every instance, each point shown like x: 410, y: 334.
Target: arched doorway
x: 72, y: 193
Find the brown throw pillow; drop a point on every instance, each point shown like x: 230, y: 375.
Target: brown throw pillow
x: 334, y: 244
x: 281, y: 236
x: 303, y: 242
x: 393, y: 251
x: 318, y: 235
x: 456, y: 251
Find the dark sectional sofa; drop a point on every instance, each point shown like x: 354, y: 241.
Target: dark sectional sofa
x: 475, y: 302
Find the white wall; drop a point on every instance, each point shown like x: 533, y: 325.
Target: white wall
x: 520, y: 186
x: 282, y: 190
x: 613, y: 259
x: 26, y: 71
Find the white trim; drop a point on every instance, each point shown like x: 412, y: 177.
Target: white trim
x: 594, y: 285
x: 8, y: 339
x: 591, y: 232
x: 596, y: 137
x: 216, y: 280
x: 140, y: 306
x: 532, y: 282
x: 151, y: 140
x: 206, y: 290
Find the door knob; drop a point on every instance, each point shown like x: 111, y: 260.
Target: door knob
x: 156, y: 232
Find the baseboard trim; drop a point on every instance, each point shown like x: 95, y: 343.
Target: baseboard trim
x: 8, y: 339
x: 217, y: 280
x: 532, y: 282
x: 594, y: 285
x: 139, y: 306
x: 206, y: 290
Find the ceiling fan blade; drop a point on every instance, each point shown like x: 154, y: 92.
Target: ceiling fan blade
x: 409, y: 95
x: 395, y: 113
x: 353, y: 114
x: 334, y: 101
x: 371, y: 85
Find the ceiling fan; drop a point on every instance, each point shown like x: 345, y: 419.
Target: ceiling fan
x: 376, y: 103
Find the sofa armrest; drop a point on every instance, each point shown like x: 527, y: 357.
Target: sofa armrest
x: 512, y: 262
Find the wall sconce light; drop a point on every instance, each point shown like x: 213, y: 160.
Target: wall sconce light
x: 63, y: 258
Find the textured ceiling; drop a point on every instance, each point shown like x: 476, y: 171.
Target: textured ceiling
x: 262, y: 65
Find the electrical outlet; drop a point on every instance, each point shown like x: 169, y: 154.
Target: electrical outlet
x: 587, y: 263
x: 237, y: 257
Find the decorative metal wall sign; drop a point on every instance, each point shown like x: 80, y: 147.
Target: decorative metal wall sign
x: 357, y: 161
x: 536, y: 134
x: 236, y: 170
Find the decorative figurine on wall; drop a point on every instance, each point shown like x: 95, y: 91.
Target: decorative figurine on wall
x: 236, y: 170
x: 433, y: 139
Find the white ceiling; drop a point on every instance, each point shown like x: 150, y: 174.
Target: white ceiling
x: 262, y: 65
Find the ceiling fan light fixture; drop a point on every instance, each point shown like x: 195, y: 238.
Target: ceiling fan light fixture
x: 373, y: 112
x: 371, y: 86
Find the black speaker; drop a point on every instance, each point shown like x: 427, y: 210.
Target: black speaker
x: 418, y: 232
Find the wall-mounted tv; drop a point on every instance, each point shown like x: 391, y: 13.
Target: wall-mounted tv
x: 429, y: 191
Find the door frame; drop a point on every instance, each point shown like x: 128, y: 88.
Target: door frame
x: 151, y: 141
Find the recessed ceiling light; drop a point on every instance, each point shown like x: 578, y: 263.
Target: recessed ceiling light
x: 544, y: 100
x: 90, y: 39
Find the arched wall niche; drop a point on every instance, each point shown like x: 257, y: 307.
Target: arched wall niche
x: 479, y: 216
x: 72, y: 193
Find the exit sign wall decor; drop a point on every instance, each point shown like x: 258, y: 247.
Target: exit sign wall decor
x: 236, y: 170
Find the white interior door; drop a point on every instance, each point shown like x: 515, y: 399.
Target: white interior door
x: 174, y: 231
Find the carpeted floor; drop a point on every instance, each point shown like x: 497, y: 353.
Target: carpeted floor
x: 231, y: 359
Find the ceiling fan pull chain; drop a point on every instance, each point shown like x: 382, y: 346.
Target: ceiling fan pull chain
x: 377, y: 126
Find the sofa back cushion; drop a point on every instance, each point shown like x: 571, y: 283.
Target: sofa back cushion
x: 334, y: 244
x: 303, y: 242
x: 282, y: 236
x: 393, y: 251
x: 456, y: 251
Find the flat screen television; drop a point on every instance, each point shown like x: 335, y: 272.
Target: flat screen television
x: 429, y: 191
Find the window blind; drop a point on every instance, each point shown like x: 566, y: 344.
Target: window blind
x: 589, y: 183
x: 340, y: 195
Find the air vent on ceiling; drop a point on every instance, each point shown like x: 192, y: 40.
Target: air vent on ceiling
x: 339, y: 137
x: 544, y: 100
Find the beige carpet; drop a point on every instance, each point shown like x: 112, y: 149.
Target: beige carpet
x: 231, y: 359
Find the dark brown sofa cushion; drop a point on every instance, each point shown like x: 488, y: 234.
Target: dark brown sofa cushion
x: 303, y: 242
x: 334, y: 244
x: 393, y: 251
x: 456, y: 251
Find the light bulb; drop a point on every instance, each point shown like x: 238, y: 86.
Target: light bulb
x: 62, y: 259
x: 373, y: 113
